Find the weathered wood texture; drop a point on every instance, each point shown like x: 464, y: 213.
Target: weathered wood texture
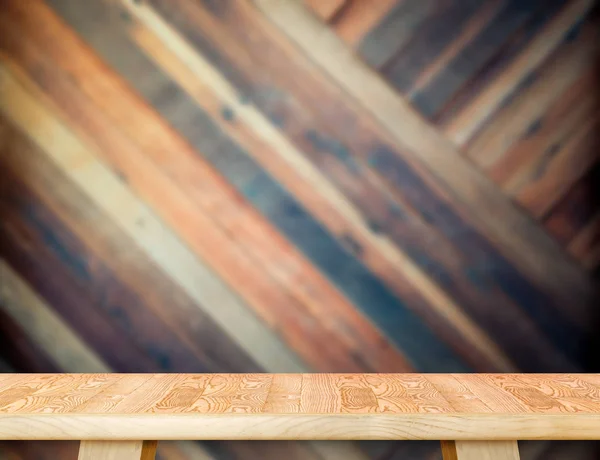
x: 300, y: 406
x: 299, y: 185
x: 514, y: 84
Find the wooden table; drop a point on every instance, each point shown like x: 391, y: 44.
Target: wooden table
x: 476, y: 416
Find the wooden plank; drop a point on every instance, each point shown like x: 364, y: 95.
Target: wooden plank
x: 442, y: 26
x: 409, y: 408
x: 562, y: 164
x: 43, y: 326
x: 285, y: 162
x: 394, y: 31
x: 434, y: 97
x: 126, y: 450
x: 457, y: 393
x: 525, y: 113
x: 572, y: 395
x: 39, y: 266
x: 181, y: 185
x: 463, y: 126
x: 437, y: 63
x: 438, y: 155
x: 360, y: 16
x: 576, y: 209
x: 164, y: 247
x: 480, y: 450
x: 341, y: 158
x: 115, y: 257
x: 19, y: 350
x: 126, y: 309
x: 326, y: 9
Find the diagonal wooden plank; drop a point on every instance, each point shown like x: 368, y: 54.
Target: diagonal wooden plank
x: 463, y: 126
x: 517, y: 236
x: 350, y: 140
x: 44, y: 326
x: 20, y: 350
x: 164, y: 247
x: 360, y: 16
x: 520, y: 119
x: 87, y: 238
x: 143, y: 173
x: 194, y: 277
x: 394, y: 31
x: 171, y: 175
x: 286, y: 162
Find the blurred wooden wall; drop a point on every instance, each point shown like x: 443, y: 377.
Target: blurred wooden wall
x: 278, y: 185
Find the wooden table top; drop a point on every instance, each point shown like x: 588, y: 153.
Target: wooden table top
x: 299, y: 406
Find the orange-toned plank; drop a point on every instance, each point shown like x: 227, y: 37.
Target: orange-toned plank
x: 565, y: 160
x: 359, y: 17
x: 287, y: 163
x: 255, y: 242
x: 362, y: 144
x: 101, y: 244
x: 325, y: 9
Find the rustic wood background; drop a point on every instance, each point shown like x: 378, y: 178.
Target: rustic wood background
x: 286, y: 185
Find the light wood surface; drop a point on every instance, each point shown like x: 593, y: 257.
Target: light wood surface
x: 119, y: 450
x: 480, y: 450
x: 299, y: 406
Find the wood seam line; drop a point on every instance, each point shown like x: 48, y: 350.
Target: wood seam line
x: 163, y: 35
x: 516, y: 235
x: 285, y: 360
x: 464, y: 126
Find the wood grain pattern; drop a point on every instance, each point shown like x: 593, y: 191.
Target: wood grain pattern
x: 150, y: 168
x: 331, y: 406
x: 294, y: 186
x: 433, y: 149
x: 285, y: 162
x: 464, y: 125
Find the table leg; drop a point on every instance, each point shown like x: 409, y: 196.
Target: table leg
x: 480, y: 450
x: 117, y: 450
